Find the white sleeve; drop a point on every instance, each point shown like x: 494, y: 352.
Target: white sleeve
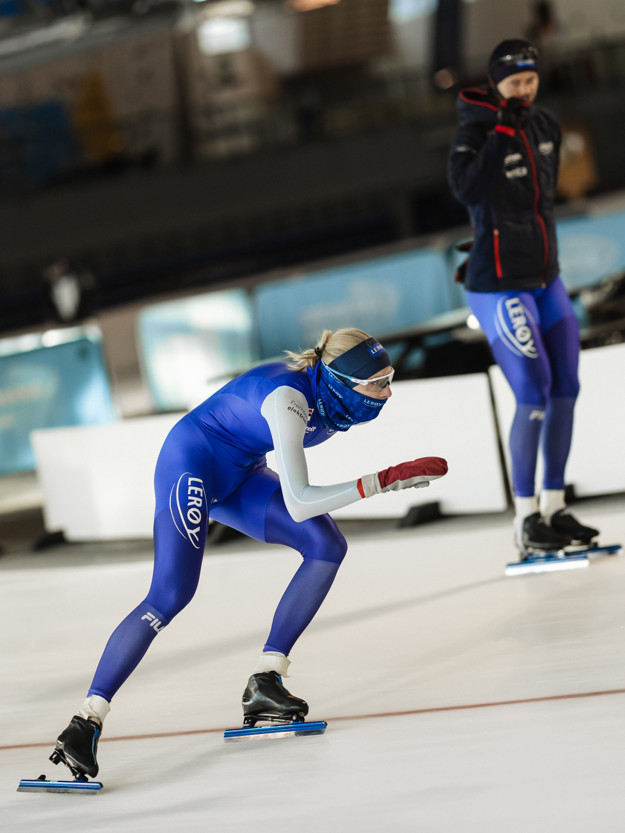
x: 286, y: 412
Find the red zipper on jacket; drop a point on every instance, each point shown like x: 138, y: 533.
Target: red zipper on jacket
x: 498, y: 268
x: 536, y: 198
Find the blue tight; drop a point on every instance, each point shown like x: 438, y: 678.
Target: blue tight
x: 534, y: 338
x: 187, y: 473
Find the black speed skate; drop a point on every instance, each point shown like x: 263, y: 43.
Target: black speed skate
x: 564, y: 523
x: 77, y: 747
x: 265, y: 698
x: 280, y: 713
x: 536, y: 535
x: 564, y: 544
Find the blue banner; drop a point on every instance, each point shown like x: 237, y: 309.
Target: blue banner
x: 189, y: 342
x: 379, y: 296
x: 50, y: 387
x: 591, y: 248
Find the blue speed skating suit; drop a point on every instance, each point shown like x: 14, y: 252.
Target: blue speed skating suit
x: 213, y: 464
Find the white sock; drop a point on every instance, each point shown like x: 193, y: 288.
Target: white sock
x: 524, y: 506
x: 551, y: 500
x: 95, y: 707
x: 272, y: 661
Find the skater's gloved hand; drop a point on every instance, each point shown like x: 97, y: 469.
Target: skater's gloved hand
x: 415, y: 474
x: 510, y: 114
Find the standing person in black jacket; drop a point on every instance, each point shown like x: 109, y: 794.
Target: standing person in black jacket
x: 503, y: 166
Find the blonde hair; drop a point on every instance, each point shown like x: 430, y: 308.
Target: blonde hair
x: 330, y: 346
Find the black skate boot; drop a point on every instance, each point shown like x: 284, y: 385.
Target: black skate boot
x: 536, y: 535
x: 564, y: 523
x: 77, y: 747
x: 265, y: 698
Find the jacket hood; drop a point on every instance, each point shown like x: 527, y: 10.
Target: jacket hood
x: 477, y: 104
x: 480, y: 104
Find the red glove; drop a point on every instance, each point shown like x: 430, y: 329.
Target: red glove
x: 415, y: 474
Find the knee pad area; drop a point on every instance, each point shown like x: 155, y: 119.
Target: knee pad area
x: 532, y: 390
x: 171, y: 599
x: 317, y: 538
x: 323, y: 542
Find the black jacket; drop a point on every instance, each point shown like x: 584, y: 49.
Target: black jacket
x: 508, y: 183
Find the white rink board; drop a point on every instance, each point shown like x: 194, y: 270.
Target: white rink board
x: 97, y: 481
x: 595, y: 465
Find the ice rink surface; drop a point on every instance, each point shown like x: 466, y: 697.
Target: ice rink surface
x: 457, y: 699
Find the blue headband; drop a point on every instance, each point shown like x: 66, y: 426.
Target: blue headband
x: 362, y: 361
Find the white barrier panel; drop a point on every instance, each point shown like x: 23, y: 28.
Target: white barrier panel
x: 97, y: 481
x: 595, y: 465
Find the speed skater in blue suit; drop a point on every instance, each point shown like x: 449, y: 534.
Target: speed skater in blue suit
x: 503, y: 166
x: 212, y: 464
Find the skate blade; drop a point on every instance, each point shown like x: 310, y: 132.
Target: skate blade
x: 569, y: 559
x: 278, y: 730
x: 549, y: 563
x: 43, y: 785
x: 596, y: 551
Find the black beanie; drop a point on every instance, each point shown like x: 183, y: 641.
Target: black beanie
x: 510, y: 57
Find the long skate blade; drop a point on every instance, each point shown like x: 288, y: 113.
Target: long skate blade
x: 596, y: 551
x: 42, y: 784
x: 568, y: 559
x: 548, y: 563
x: 281, y: 730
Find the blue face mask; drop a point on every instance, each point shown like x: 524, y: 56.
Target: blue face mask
x: 339, y: 406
